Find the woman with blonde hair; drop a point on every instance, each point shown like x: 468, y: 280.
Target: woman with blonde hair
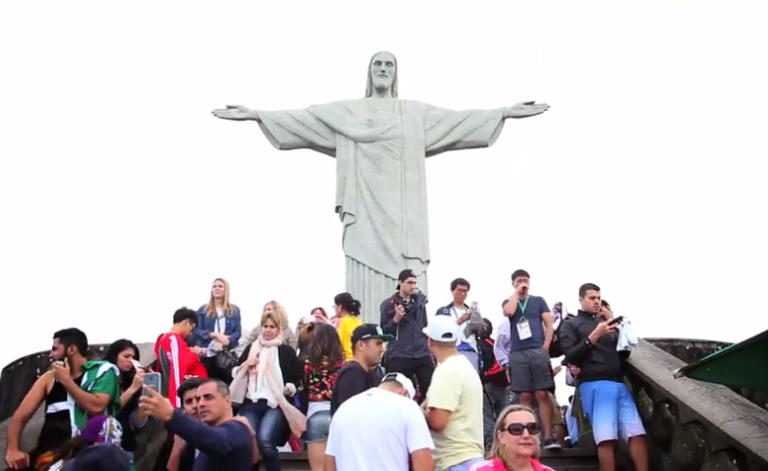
x: 218, y: 331
x: 515, y: 443
x: 288, y: 335
x: 265, y: 382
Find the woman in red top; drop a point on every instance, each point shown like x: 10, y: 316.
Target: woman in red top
x: 325, y: 359
x: 515, y: 444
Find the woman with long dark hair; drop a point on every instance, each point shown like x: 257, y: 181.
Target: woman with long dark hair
x: 306, y: 332
x: 348, y: 312
x: 321, y: 369
x: 125, y: 355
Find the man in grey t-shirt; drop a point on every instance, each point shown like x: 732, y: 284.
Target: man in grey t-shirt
x: 531, y: 331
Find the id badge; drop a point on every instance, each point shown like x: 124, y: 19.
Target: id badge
x: 524, y: 329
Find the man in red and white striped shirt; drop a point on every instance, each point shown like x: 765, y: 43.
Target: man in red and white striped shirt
x: 183, y: 361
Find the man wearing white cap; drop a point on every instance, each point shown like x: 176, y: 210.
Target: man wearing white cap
x: 454, y: 405
x: 380, y: 430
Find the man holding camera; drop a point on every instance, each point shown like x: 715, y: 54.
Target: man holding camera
x: 589, y: 342
x: 467, y: 318
x: 404, y: 316
x: 530, y: 370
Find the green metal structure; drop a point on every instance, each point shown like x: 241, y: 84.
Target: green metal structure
x: 741, y: 365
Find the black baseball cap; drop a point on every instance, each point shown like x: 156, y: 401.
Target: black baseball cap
x: 368, y: 332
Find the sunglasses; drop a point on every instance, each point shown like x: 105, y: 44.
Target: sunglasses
x: 517, y: 428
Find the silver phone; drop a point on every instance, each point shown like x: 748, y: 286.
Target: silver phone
x: 473, y: 306
x: 152, y: 380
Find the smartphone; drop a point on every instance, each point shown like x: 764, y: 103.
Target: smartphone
x: 153, y: 381
x: 473, y: 306
x: 616, y: 320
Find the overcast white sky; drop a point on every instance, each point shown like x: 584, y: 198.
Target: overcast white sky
x: 123, y: 197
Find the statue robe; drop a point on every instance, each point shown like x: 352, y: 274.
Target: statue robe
x: 380, y: 147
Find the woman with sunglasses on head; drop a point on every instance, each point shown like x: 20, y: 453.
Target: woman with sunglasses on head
x: 264, y: 384
x: 289, y: 336
x: 515, y: 444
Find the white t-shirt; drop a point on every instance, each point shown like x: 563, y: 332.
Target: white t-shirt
x: 221, y: 321
x: 456, y: 387
x: 377, y: 430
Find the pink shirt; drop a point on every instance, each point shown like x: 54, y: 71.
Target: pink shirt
x: 498, y: 465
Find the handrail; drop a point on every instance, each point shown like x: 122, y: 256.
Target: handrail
x: 693, y: 424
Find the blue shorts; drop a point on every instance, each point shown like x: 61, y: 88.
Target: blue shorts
x: 318, y: 426
x: 611, y: 410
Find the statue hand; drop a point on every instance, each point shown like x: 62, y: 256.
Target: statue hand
x: 526, y: 109
x: 236, y: 113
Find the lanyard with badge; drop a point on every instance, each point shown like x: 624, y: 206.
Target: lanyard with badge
x: 523, y: 326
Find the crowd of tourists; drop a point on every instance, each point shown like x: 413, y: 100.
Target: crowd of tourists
x: 413, y: 392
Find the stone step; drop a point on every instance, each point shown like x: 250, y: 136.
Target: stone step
x: 571, y: 459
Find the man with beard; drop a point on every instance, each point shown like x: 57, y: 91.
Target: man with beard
x: 589, y: 341
x: 93, y: 386
x: 178, y: 460
x: 219, y: 439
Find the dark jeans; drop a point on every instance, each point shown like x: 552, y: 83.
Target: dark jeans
x: 418, y: 369
x: 495, y: 399
x: 272, y: 430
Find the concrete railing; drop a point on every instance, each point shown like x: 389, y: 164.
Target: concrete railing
x: 693, y: 425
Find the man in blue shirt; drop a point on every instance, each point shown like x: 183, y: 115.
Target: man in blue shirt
x: 530, y: 371
x: 219, y: 440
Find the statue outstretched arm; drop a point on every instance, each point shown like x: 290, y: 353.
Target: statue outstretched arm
x: 525, y: 109
x: 237, y: 113
x: 287, y: 129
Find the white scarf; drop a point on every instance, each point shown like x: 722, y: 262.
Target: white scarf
x: 246, y: 379
x: 267, y: 380
x: 268, y: 369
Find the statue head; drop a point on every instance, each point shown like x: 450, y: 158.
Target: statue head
x: 382, y: 74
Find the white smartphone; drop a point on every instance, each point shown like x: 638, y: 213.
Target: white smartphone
x: 473, y: 306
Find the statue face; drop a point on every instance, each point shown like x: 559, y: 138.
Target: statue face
x: 383, y: 71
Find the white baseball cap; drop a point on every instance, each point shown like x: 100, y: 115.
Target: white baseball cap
x: 403, y: 381
x: 442, y: 329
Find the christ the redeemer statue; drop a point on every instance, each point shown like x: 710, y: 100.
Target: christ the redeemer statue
x: 380, y: 143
